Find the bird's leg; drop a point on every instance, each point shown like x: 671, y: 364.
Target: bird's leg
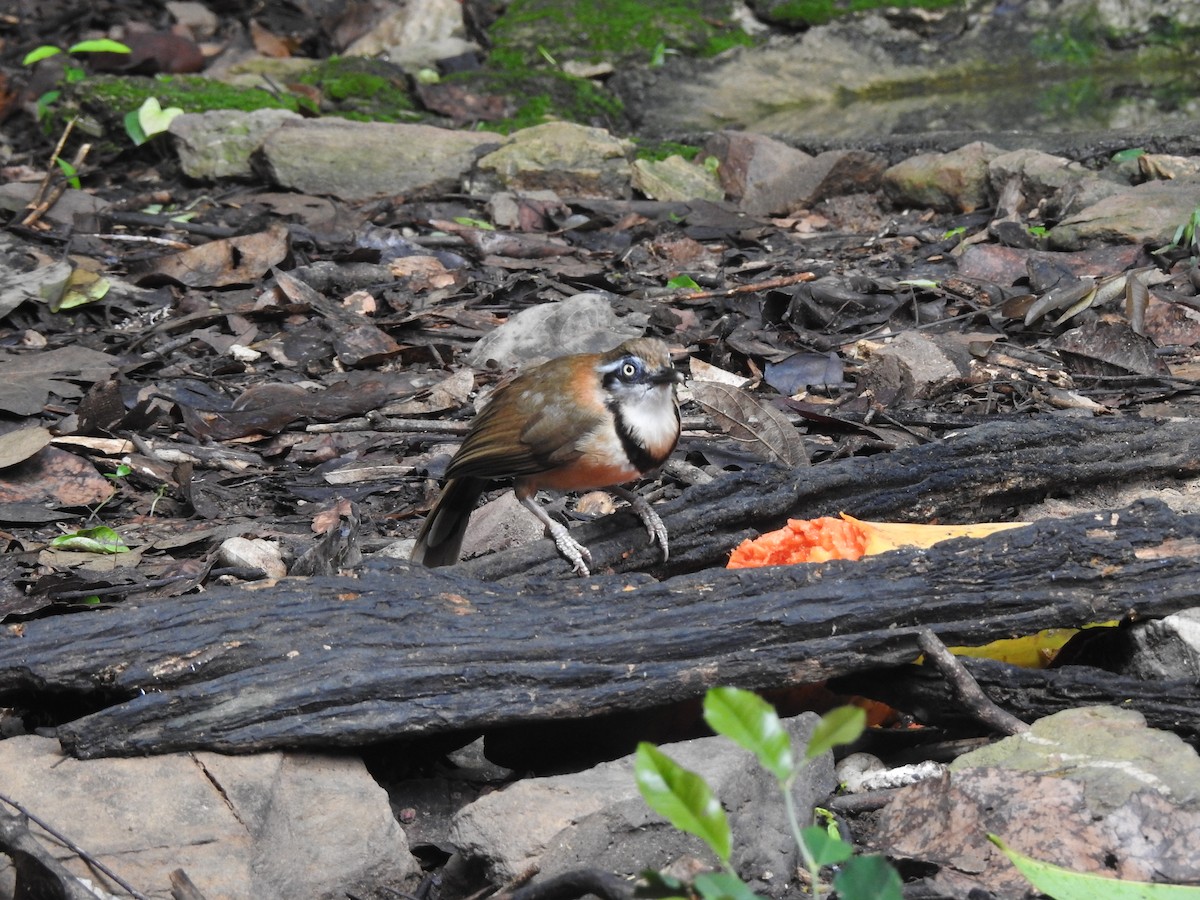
x: 573, y: 551
x: 654, y: 525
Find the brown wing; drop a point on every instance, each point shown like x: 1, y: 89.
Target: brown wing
x: 522, y: 430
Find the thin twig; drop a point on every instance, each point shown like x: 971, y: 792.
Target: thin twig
x: 75, y: 848
x: 754, y: 287
x: 966, y: 688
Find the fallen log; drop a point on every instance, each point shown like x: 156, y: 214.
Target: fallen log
x: 404, y: 651
x: 1032, y: 693
x: 981, y: 474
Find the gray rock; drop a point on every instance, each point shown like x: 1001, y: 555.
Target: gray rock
x: 571, y: 160
x: 1165, y: 648
x: 359, y: 160
x: 598, y: 819
x: 674, y: 178
x: 761, y: 175
x: 222, y: 143
x: 584, y: 323
x: 950, y: 182
x: 1146, y: 214
x: 416, y: 33
x: 1041, y: 174
x: 1109, y: 751
x: 1091, y: 789
x: 265, y: 825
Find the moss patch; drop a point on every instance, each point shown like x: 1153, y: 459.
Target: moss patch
x: 806, y: 13
x: 655, y: 151
x: 614, y: 31
x: 368, y: 90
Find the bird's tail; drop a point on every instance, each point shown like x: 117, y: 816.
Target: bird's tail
x: 441, y: 536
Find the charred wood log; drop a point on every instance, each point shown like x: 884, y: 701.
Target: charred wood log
x: 404, y: 651
x: 982, y: 474
x: 1033, y: 693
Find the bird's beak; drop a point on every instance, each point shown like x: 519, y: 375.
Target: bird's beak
x: 668, y: 376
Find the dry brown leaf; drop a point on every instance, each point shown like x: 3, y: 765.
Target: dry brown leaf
x: 18, y: 446
x: 764, y: 429
x: 245, y: 259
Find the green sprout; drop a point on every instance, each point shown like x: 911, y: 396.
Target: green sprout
x: 72, y: 74
x: 686, y: 801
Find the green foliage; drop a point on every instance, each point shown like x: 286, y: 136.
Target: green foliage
x: 751, y: 723
x: 101, y: 539
x: 1129, y: 154
x: 1187, y: 236
x: 1064, y: 884
x: 148, y: 120
x: 103, y: 45
x: 71, y: 74
x: 683, y: 798
x: 838, y: 726
x: 681, y: 282
x: 687, y: 802
x: 69, y: 172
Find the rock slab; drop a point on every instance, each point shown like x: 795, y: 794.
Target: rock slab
x: 264, y: 825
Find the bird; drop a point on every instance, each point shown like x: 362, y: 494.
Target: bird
x: 579, y: 422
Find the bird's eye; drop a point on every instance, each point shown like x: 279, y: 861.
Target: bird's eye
x: 629, y: 371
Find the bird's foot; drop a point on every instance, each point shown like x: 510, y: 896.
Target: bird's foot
x: 654, y: 525
x: 573, y: 551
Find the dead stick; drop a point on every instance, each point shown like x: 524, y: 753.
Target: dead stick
x: 769, y: 285
x: 182, y: 887
x: 966, y: 688
x: 44, y: 198
x: 75, y: 848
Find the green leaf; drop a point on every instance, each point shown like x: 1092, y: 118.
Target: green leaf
x: 954, y: 232
x: 723, y: 886
x: 658, y: 55
x: 44, y: 103
x: 869, y: 878
x: 474, y: 223
x: 101, y: 539
x: 82, y: 287
x: 154, y: 119
x: 838, y: 726
x: 682, y: 797
x: 683, y: 281
x: 121, y: 471
x: 751, y: 722
x: 134, y: 129
x: 1065, y: 884
x: 1126, y: 155
x: 69, y: 171
x: 39, y: 53
x: 826, y: 849
x: 101, y: 45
